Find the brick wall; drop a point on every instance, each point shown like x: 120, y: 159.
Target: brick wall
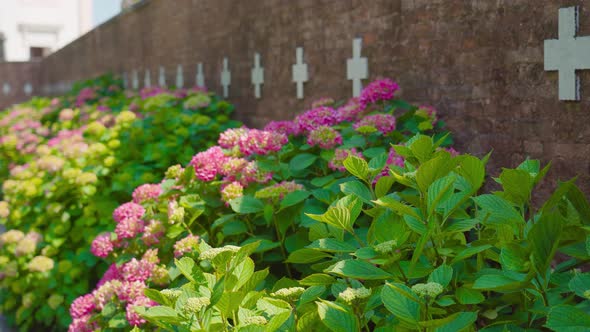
x: 14, y: 77
x: 480, y: 62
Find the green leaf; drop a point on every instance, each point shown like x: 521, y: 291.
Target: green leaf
x: 400, y: 208
x: 311, y: 294
x: 498, y: 282
x: 246, y: 204
x: 567, y: 318
x: 383, y: 185
x: 513, y: 257
x: 294, y: 198
x: 357, y: 167
x: 338, y: 217
x: 500, y: 211
x: 544, y: 240
x: 460, y: 322
x: 468, y: 252
x: 433, y: 170
x: 442, y: 275
x: 422, y: 148
x: 517, y: 184
x: 357, y: 188
x: 331, y: 245
x: 118, y: 321
x: 302, y: 161
x: 439, y: 191
x: 357, y: 269
x: 469, y: 296
x: 160, y: 313
x: 317, y: 279
x: 579, y: 284
x: 337, y: 317
x: 472, y: 169
x: 243, y: 272
x: 306, y: 256
x: 460, y: 226
x: 397, y: 298
x: 186, y: 266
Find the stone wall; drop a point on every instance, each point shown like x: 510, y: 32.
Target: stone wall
x: 479, y: 62
x: 18, y: 82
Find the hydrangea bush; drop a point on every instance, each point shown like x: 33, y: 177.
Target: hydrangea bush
x: 253, y: 189
x: 66, y: 164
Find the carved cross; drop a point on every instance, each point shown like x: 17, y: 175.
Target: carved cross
x: 357, y: 67
x: 257, y: 76
x: 200, y: 77
x: 300, y: 74
x: 162, y: 77
x: 6, y: 88
x: 225, y: 78
x: 147, y: 81
x: 179, y: 77
x: 568, y: 54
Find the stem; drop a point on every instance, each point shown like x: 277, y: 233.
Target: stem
x: 358, y: 239
x: 401, y: 271
x: 282, y: 246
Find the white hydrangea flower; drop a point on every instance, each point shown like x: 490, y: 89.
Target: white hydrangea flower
x: 386, y: 247
x: 195, y: 304
x: 351, y: 294
x: 288, y: 293
x: 431, y: 289
x: 255, y: 320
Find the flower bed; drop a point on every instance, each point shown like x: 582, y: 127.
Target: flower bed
x: 66, y: 164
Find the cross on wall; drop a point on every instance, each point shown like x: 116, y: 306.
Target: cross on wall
x: 225, y: 78
x: 300, y: 74
x: 568, y: 54
x: 357, y: 68
x: 200, y: 77
x: 257, y: 76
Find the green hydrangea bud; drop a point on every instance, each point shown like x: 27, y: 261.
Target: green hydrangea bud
x: 40, y: 264
x: 125, y: 117
x: 429, y: 290
x: 349, y: 295
x: 55, y: 300
x: 95, y: 129
x: 386, y: 247
x: 195, y: 304
x: 12, y: 236
x: 171, y: 294
x: 114, y: 143
x: 255, y: 320
x: 28, y: 300
x: 291, y: 293
x: 587, y: 294
x: 86, y: 178
x: 174, y: 172
x: 210, y: 254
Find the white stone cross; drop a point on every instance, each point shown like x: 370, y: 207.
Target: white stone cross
x: 200, y: 77
x: 134, y: 80
x: 225, y: 78
x: 6, y: 88
x: 357, y: 68
x: 179, y: 77
x: 257, y: 76
x: 147, y: 81
x: 568, y: 54
x: 28, y: 89
x: 162, y: 77
x: 300, y: 74
x: 125, y: 81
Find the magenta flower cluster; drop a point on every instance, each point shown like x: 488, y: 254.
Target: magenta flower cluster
x: 377, y: 91
x: 146, y: 193
x: 261, y: 142
x: 337, y: 162
x: 384, y: 123
x: 325, y: 137
x: 208, y: 164
x: 316, y: 117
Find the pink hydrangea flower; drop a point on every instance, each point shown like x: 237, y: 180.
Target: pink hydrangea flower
x: 325, y: 137
x: 146, y: 192
x: 230, y: 191
x: 279, y: 190
x: 132, y: 316
x: 82, y: 324
x: 112, y: 273
x: 321, y: 116
x: 261, y: 142
x: 430, y: 111
x: 208, y: 164
x: 233, y: 167
x: 324, y: 101
x: 337, y: 162
x: 283, y: 127
x: 185, y: 245
x: 151, y: 256
x: 129, y: 228
x: 152, y: 232
x: 379, y: 90
x: 102, y: 245
x: 137, y: 270
x: 230, y: 138
x: 82, y: 306
x: 130, y: 290
x: 350, y: 112
x: 385, y: 123
x: 105, y: 292
x: 252, y: 173
x: 128, y: 211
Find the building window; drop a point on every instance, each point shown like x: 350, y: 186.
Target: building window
x: 38, y: 52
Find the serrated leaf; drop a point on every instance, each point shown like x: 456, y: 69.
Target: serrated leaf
x: 336, y: 317
x: 468, y: 252
x: 498, y: 210
x: 357, y: 166
x: 246, y: 204
x: 338, y: 217
x: 517, y: 184
x: 294, y: 198
x: 383, y: 185
x: 469, y: 296
x: 433, y: 170
x: 331, y: 245
x: 311, y: 294
x: 442, y: 275
x: 400, y: 208
x: 358, y: 189
x: 357, y: 269
x: 422, y: 147
x: 302, y: 161
x: 544, y: 240
x: 306, y: 256
x: 472, y: 169
x: 439, y: 191
x: 402, y: 306
x: 567, y: 318
x: 317, y: 279
x: 460, y: 322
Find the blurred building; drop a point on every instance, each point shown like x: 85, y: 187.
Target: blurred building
x: 30, y: 29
